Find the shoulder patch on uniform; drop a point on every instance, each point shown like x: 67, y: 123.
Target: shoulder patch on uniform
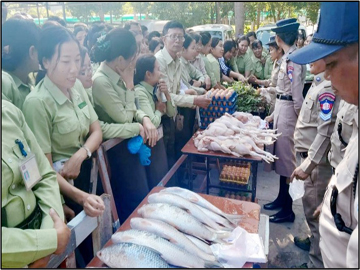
x: 326, y: 105
x: 290, y: 71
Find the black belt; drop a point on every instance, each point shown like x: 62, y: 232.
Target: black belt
x: 284, y: 97
x: 303, y: 155
x: 333, y: 170
x: 31, y: 222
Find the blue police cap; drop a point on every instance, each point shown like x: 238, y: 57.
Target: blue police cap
x: 271, y: 41
x: 338, y: 27
x: 286, y: 25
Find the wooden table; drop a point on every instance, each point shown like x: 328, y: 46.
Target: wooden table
x: 190, y: 150
x: 250, y: 222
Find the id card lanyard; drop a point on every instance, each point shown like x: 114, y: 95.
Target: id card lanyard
x: 28, y: 167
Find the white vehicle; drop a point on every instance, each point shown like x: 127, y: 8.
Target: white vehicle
x: 222, y: 31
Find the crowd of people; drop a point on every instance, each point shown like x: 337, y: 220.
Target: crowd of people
x: 65, y: 92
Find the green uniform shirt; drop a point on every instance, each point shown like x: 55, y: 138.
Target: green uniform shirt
x: 14, y: 89
x: 113, y: 102
x: 268, y: 68
x: 188, y: 73
x: 244, y: 63
x: 171, y: 68
x: 215, y: 66
x: 113, y: 130
x: 308, y: 77
x: 264, y: 53
x: 21, y: 247
x: 60, y: 125
x: 258, y: 68
x: 232, y: 64
x: 209, y: 70
x: 144, y: 92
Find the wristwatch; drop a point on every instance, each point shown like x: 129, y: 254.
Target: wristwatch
x: 88, y: 152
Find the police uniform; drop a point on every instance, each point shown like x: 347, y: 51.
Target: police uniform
x: 342, y: 133
x: 339, y: 247
x: 14, y: 89
x: 287, y: 107
x: 339, y: 214
x: 312, y: 140
x: 114, y: 103
x: 28, y: 232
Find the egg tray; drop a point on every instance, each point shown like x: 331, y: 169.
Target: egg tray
x: 242, y: 168
x: 232, y: 97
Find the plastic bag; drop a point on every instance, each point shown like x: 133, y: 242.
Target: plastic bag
x: 296, y: 189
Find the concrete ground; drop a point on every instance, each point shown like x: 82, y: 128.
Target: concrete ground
x: 282, y: 251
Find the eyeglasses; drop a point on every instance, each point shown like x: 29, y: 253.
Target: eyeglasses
x: 176, y: 37
x: 340, y: 225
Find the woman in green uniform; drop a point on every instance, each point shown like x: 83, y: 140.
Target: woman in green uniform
x: 115, y: 102
x: 60, y: 114
x: 243, y: 59
x: 216, y: 52
x: 31, y: 231
x: 19, y: 58
x: 151, y: 90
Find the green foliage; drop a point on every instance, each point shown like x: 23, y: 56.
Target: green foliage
x: 248, y: 100
x: 312, y: 9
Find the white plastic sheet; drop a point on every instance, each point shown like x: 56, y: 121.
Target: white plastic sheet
x: 241, y: 247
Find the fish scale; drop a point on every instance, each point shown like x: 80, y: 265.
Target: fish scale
x: 128, y: 255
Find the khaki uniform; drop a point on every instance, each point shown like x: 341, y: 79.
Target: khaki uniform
x: 340, y: 249
x: 21, y: 247
x: 172, y: 70
x: 199, y: 64
x: 258, y: 68
x: 232, y: 64
x: 268, y: 68
x: 14, y: 89
x: 112, y: 130
x: 244, y: 63
x: 188, y: 73
x: 344, y: 118
x: 209, y: 70
x: 215, y: 67
x: 290, y: 82
x: 144, y: 91
x: 312, y: 135
x: 60, y: 125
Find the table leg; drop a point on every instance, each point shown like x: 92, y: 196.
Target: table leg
x: 207, y: 174
x: 254, y: 168
x: 190, y: 182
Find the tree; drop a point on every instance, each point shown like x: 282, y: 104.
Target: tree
x: 239, y: 17
x: 312, y: 9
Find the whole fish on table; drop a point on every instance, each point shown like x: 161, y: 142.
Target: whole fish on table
x: 220, y: 219
x: 181, y: 220
x: 180, y: 202
x: 168, y: 232
x: 197, y: 199
x: 200, y: 244
x: 171, y: 253
x: 127, y: 255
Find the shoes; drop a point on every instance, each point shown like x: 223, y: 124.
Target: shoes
x: 282, y: 216
x: 303, y: 243
x: 273, y: 205
x: 304, y: 265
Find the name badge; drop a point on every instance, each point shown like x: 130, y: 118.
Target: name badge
x: 30, y: 171
x: 160, y: 132
x: 82, y: 105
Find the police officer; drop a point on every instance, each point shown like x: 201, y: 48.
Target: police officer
x: 342, y: 133
x: 31, y: 231
x: 336, y: 44
x: 287, y: 107
x: 312, y: 141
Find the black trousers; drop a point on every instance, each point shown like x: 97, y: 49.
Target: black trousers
x: 128, y: 179
x: 169, y: 139
x: 184, y: 135
x: 84, y: 252
x: 158, y: 166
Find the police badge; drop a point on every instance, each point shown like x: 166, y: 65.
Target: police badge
x: 326, y: 104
